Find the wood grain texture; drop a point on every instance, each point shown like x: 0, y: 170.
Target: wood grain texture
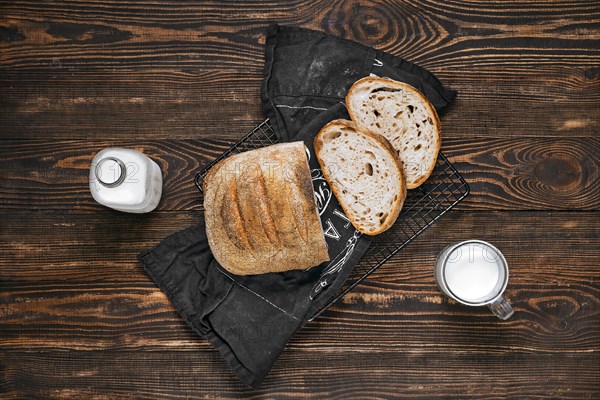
x: 550, y: 101
x: 96, y: 303
x: 116, y: 375
x: 80, y: 69
x: 95, y: 295
x: 506, y: 174
x: 79, y: 318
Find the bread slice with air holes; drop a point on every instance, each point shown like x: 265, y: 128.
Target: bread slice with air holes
x: 365, y: 174
x: 404, y: 116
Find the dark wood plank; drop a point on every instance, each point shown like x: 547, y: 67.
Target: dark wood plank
x: 96, y: 35
x: 75, y: 283
x: 82, y: 69
x: 107, y: 105
x: 505, y: 174
x: 198, y: 103
x: 106, y: 34
x: 560, y: 319
x: 299, y: 373
x: 528, y: 173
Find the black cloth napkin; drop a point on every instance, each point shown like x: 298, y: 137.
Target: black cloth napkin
x: 249, y: 319
x: 307, y: 72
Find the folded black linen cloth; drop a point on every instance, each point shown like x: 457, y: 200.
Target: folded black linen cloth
x: 249, y: 319
x: 307, y: 71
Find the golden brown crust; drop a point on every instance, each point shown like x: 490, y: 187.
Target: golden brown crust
x: 424, y: 100
x: 260, y: 212
x: 395, y: 212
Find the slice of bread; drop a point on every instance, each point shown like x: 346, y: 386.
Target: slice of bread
x: 403, y: 116
x: 365, y: 174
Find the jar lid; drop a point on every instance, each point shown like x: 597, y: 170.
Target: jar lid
x: 110, y: 171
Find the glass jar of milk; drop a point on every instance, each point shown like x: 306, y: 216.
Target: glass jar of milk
x: 474, y: 273
x: 125, y: 180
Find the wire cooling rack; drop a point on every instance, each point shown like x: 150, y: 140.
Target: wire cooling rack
x: 423, y: 206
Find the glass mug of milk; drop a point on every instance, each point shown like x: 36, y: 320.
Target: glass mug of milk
x: 474, y: 273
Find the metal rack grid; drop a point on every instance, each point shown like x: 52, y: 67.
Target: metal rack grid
x: 423, y: 206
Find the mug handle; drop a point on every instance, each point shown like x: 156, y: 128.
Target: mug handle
x: 501, y: 308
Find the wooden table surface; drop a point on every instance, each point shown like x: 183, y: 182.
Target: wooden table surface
x: 79, y: 318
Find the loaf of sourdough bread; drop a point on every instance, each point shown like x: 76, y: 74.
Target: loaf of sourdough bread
x: 365, y: 174
x: 261, y: 214
x: 404, y: 116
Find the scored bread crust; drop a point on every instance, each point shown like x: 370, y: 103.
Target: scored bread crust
x: 387, y: 82
x: 260, y: 212
x: 318, y: 144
